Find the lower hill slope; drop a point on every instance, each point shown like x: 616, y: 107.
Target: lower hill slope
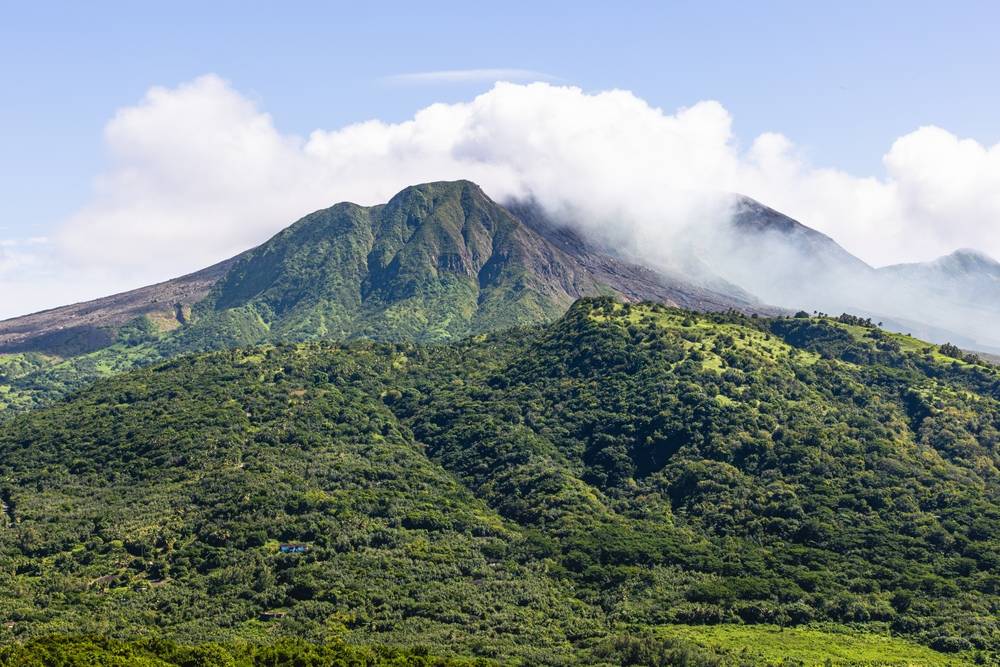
x: 564, y: 494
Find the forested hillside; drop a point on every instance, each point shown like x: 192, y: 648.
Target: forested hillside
x: 626, y: 484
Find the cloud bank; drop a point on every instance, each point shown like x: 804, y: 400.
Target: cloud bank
x: 198, y: 173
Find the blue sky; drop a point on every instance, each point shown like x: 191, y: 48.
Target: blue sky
x: 841, y: 80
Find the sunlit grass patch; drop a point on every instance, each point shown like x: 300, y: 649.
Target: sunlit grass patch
x: 808, y: 646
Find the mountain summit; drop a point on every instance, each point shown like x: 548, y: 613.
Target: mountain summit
x: 438, y: 261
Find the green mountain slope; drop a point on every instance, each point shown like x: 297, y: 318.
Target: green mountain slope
x: 436, y: 263
x: 570, y: 493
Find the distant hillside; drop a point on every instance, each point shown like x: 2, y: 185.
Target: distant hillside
x: 963, y: 287
x: 573, y: 493
x: 783, y: 262
x: 967, y: 274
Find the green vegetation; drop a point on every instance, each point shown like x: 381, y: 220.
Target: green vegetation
x: 633, y: 484
x: 29, y: 380
x: 954, y: 352
x: 811, y: 646
x: 691, y: 646
x: 14, y: 368
x: 98, y: 651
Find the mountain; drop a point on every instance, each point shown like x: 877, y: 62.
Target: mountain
x: 965, y: 277
x: 441, y: 261
x: 438, y: 262
x: 611, y: 488
x: 782, y: 261
x: 963, y: 287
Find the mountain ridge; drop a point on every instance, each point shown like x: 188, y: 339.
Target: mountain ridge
x: 438, y: 262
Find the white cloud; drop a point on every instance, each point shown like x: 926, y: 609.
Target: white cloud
x: 199, y: 172
x: 949, y: 188
x: 468, y: 76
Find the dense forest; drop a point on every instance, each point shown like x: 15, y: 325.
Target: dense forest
x: 633, y: 484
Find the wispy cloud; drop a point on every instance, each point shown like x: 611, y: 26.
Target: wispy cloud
x: 468, y: 76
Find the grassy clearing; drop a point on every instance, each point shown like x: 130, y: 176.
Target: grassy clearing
x: 701, y: 333
x: 813, y: 646
x: 907, y: 343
